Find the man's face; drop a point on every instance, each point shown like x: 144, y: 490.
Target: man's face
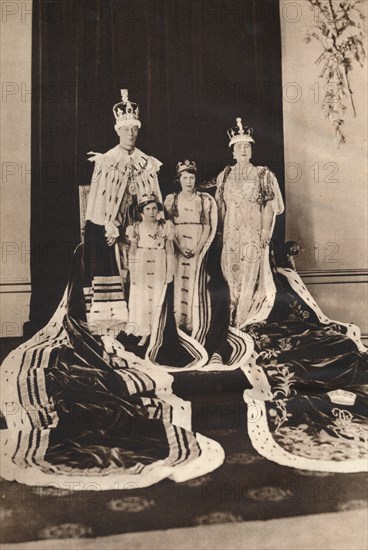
x: 128, y: 136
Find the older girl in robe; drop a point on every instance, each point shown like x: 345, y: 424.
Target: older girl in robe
x: 189, y: 210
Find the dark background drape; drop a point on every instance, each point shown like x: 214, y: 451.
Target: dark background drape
x: 192, y: 65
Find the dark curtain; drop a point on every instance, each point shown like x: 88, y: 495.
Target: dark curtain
x: 192, y: 65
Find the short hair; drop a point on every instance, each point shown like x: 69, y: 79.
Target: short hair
x: 141, y: 207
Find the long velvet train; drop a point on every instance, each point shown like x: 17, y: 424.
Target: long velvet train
x: 86, y: 408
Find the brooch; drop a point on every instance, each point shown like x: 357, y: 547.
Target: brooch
x: 133, y: 188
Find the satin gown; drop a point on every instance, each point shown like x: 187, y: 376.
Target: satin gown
x: 188, y: 231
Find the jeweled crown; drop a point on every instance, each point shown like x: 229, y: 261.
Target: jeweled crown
x: 186, y: 165
x: 342, y: 397
x: 126, y: 112
x: 147, y: 199
x: 240, y: 133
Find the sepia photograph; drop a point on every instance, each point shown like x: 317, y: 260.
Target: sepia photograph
x: 184, y: 274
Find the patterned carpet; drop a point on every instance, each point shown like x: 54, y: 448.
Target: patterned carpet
x: 246, y: 487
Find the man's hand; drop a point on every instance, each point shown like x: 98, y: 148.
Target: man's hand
x: 111, y: 233
x: 111, y: 241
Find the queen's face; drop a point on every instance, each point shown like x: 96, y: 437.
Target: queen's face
x: 187, y: 181
x: 150, y: 212
x: 242, y: 151
x: 128, y: 136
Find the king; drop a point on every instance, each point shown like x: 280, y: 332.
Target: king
x: 122, y: 178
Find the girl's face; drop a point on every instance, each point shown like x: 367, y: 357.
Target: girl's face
x: 187, y: 181
x: 150, y: 212
x: 242, y: 151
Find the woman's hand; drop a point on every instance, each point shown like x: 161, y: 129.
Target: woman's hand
x: 186, y: 252
x: 265, y: 238
x: 189, y: 253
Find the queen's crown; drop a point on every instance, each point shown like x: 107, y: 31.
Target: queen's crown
x: 240, y: 133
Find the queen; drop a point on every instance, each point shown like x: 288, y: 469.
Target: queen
x: 248, y: 199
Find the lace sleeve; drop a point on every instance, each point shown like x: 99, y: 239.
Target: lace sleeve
x: 169, y: 230
x: 206, y: 208
x: 269, y: 190
x: 168, y: 204
x: 206, y: 203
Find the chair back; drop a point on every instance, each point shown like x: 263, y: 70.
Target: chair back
x: 83, y: 200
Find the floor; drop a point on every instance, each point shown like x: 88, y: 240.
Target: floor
x: 336, y: 531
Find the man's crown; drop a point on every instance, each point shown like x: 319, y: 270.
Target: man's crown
x: 240, y: 133
x: 126, y: 113
x: 186, y: 165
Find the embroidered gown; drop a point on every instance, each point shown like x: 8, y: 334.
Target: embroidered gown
x: 148, y: 274
x: 240, y: 201
x: 189, y: 217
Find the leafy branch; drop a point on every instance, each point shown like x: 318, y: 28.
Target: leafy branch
x: 340, y: 29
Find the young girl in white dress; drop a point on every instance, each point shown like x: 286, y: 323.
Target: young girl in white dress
x: 151, y: 265
x: 189, y: 210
